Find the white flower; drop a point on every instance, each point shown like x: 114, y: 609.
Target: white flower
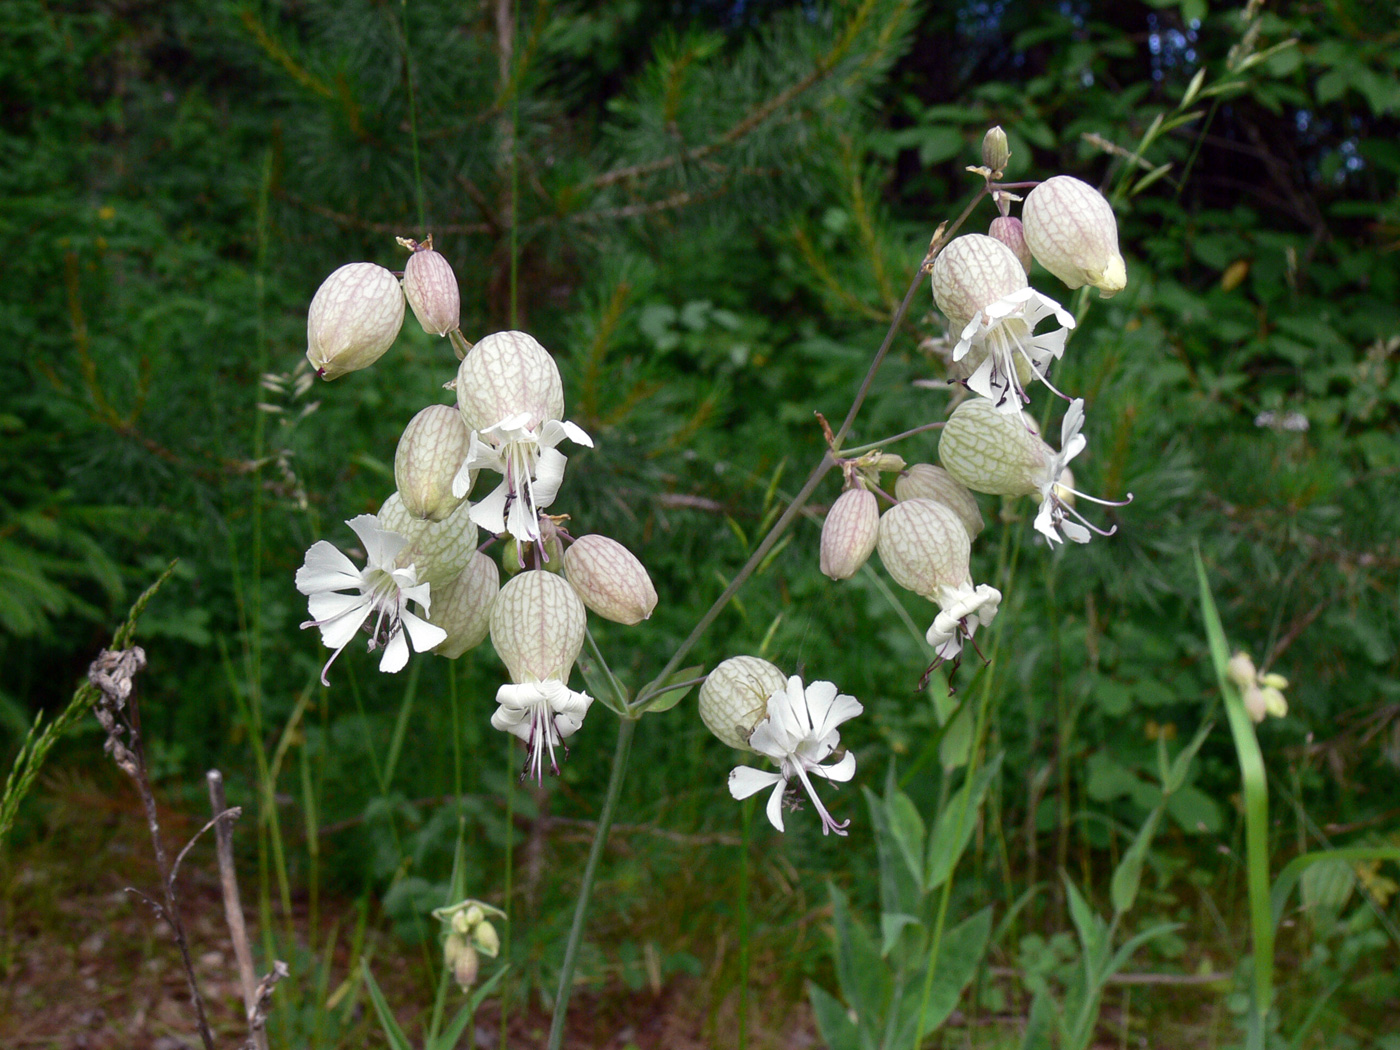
x: 537, y: 627
x: 962, y: 610
x: 381, y: 590
x: 798, y: 734
x: 1002, y: 335
x: 1057, y: 497
x: 532, y: 470
x: 543, y: 714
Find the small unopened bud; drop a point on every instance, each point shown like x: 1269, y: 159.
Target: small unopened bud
x: 438, y: 550
x: 971, y: 273
x: 1240, y: 670
x: 1008, y: 230
x: 925, y: 481
x: 486, y: 940
x: 431, y: 289
x: 429, y: 454
x: 1071, y: 231
x: 462, y: 608
x: 849, y: 533
x: 610, y: 579
x: 355, y: 316
x: 734, y: 698
x: 924, y: 547
x: 889, y: 463
x: 462, y: 959
x: 995, y: 150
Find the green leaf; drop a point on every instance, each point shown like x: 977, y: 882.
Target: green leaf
x: 958, y: 959
x: 1093, y: 931
x: 899, y: 887
x: 1175, y: 775
x: 1294, y: 870
x: 864, y: 978
x: 667, y: 698
x: 956, y: 745
x: 892, y: 924
x: 953, y: 829
x: 392, y: 1031
x: 1327, y: 884
x: 1128, y: 875
x: 452, y: 1034
x: 837, y: 1029
x: 906, y: 827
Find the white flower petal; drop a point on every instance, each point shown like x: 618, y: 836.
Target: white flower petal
x: 841, y: 770
x: 424, y: 635
x: 549, y: 475
x: 489, y: 513
x: 339, y: 616
x: 745, y: 781
x: 381, y: 547
x: 326, y: 569
x: 395, y: 653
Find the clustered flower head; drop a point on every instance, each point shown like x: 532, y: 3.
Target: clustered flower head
x: 1006, y: 338
x: 428, y: 583
x: 469, y: 935
x: 1262, y: 693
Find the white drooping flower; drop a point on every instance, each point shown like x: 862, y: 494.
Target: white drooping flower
x: 1070, y: 229
x: 1003, y: 336
x: 799, y: 734
x: 537, y: 628
x: 380, y: 590
x: 531, y: 469
x: 994, y: 453
x: 925, y: 547
x: 511, y: 398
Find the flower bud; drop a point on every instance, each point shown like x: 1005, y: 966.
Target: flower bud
x: 995, y: 150
x: 429, y: 455
x: 849, y: 532
x: 430, y: 287
x: 924, y: 547
x: 609, y: 579
x: 462, y: 959
x: 1071, y: 231
x: 971, y: 273
x: 1240, y: 670
x: 537, y: 627
x: 462, y: 607
x: 1008, y: 230
x: 354, y: 317
x: 486, y: 940
x: 508, y: 374
x: 734, y: 698
x: 991, y: 452
x: 438, y: 550
x: 925, y: 481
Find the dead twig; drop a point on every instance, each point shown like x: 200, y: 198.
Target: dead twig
x: 112, y: 673
x: 233, y: 906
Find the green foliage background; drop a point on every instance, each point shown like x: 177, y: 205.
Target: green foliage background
x: 711, y: 212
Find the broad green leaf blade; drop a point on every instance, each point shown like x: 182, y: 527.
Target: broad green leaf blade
x: 892, y: 924
x: 906, y: 828
x: 837, y: 1029
x: 1093, y: 931
x: 864, y: 977
x: 1126, y: 878
x: 1293, y: 871
x: 899, y: 888
x: 1181, y: 765
x: 958, y: 958
x: 953, y: 829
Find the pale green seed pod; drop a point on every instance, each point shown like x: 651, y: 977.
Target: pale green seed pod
x: 508, y: 374
x: 734, y: 698
x: 991, y: 452
x: 1008, y: 230
x: 430, y: 287
x: 971, y: 273
x: 849, y: 533
x: 1071, y: 231
x: 537, y: 627
x: 428, y: 456
x: 438, y: 550
x: 924, y: 547
x: 462, y: 608
x: 925, y: 481
x: 354, y: 317
x: 610, y: 579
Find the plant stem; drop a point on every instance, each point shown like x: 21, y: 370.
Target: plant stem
x: 626, y: 727
x: 862, y: 449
